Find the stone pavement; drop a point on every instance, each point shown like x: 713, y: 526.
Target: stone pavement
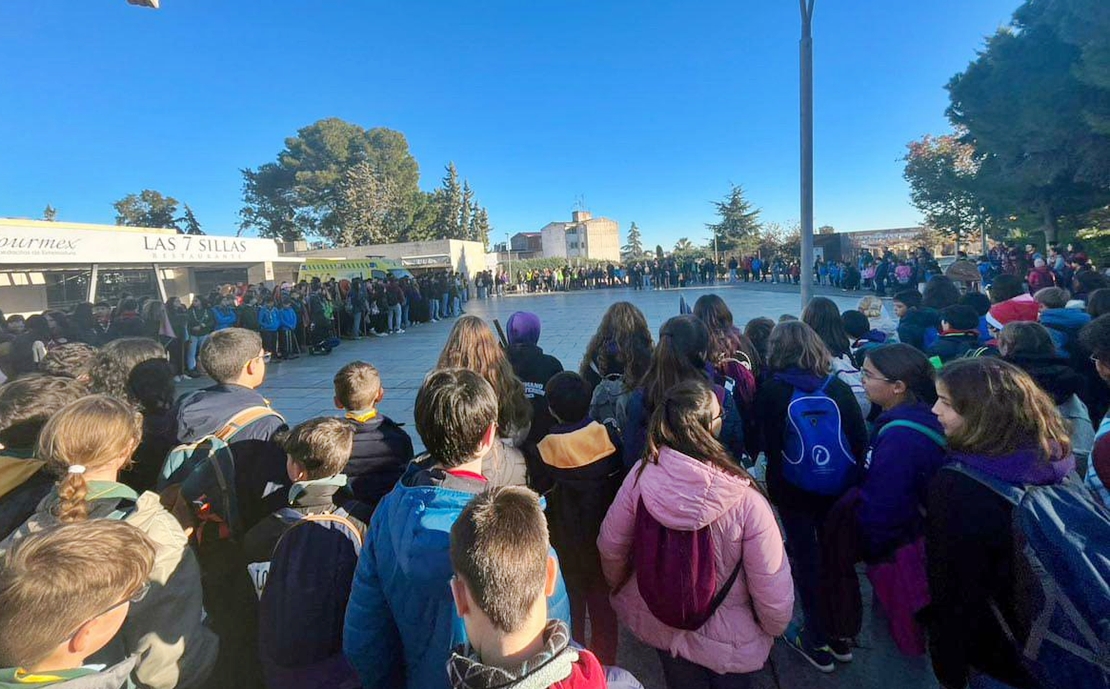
x: 302, y: 389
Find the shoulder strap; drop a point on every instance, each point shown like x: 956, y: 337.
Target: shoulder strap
x: 1011, y: 493
x: 825, y: 384
x: 920, y: 428
x: 719, y: 597
x: 244, y: 419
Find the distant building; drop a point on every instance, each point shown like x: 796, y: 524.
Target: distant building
x: 527, y: 245
x: 903, y: 241
x: 465, y: 257
x: 583, y: 237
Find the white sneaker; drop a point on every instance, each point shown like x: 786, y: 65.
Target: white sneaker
x: 400, y: 332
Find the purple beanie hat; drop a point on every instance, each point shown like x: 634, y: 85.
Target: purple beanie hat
x: 523, y: 328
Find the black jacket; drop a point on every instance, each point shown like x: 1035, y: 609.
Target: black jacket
x: 969, y: 547
x: 534, y: 368
x: 1054, y: 375
x: 585, y: 463
x: 379, y: 455
x: 953, y: 345
x: 18, y: 504
x: 248, y: 317
x: 127, y: 324
x: 913, y: 326
x: 770, y: 409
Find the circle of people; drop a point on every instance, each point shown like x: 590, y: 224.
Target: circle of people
x: 688, y: 486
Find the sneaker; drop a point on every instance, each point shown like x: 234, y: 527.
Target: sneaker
x: 820, y: 658
x: 841, y: 650
x: 400, y: 331
x: 381, y: 334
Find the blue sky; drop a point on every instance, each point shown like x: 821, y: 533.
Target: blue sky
x: 648, y: 110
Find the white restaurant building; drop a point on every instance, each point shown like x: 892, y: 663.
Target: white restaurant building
x: 55, y: 265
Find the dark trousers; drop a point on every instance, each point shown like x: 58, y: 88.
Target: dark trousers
x: 269, y: 341
x: 801, y: 529
x: 603, y: 622
x: 680, y: 673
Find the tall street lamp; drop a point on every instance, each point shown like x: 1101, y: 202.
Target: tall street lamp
x: 806, y: 117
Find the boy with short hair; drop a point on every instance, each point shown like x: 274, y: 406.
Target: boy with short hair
x: 917, y: 325
x: 1063, y: 323
x: 503, y: 574
x: 381, y: 448
x: 959, y: 333
x: 400, y: 624
x: 64, y: 594
x: 583, y: 459
x: 864, y: 338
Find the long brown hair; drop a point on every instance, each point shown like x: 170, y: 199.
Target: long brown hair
x: 1017, y: 413
x: 680, y: 356
x: 471, y: 345
x: 623, y: 339
x: 725, y: 339
x: 793, y: 344
x: 683, y: 421
x: 91, y: 433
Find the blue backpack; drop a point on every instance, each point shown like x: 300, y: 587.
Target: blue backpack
x: 815, y: 454
x: 1062, y: 581
x: 304, y: 600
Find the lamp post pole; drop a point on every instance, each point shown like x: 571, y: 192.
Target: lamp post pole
x: 806, y: 117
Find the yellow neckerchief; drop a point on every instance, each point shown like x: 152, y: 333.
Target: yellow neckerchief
x: 362, y: 415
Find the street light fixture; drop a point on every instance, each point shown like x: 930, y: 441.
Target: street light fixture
x: 152, y: 4
x: 806, y: 117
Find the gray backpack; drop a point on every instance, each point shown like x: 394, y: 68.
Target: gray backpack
x: 609, y: 404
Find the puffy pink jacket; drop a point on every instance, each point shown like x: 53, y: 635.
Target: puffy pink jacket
x: 685, y: 494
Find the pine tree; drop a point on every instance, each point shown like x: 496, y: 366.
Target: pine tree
x: 188, y: 223
x: 739, y: 223
x: 634, y: 248
x: 465, y: 210
x: 50, y: 213
x: 450, y: 206
x: 482, y: 227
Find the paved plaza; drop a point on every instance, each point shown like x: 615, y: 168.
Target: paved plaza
x: 302, y: 389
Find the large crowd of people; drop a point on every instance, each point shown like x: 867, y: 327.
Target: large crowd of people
x: 689, y: 485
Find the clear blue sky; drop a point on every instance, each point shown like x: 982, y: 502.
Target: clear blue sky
x: 647, y: 109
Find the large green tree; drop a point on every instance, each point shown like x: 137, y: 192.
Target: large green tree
x: 634, y: 249
x: 371, y: 210
x: 1035, y: 104
x: 188, y: 223
x: 148, y: 208
x: 943, y: 175
x: 304, y: 191
x: 739, y: 222
x: 449, y: 199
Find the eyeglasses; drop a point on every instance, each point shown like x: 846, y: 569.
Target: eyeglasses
x: 1095, y: 358
x: 265, y: 357
x: 136, y: 597
x: 864, y: 374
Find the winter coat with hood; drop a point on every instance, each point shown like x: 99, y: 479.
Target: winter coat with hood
x: 970, y: 555
x: 262, y: 482
x: 166, y: 627
x: 953, y: 344
x: 1064, y: 326
x: 117, y: 676
x: 919, y: 327
x: 534, y: 368
x: 771, y: 404
x: 269, y: 319
x: 685, y: 494
x: 560, y: 664
x: 634, y: 437
x: 401, y: 622
x: 893, y: 493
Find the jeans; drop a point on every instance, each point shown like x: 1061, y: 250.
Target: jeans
x: 456, y: 307
x: 446, y: 305
x: 801, y: 530
x: 194, y: 345
x: 680, y: 673
x: 356, y: 328
x: 433, y: 309
x: 405, y: 322
x: 603, y: 622
x: 732, y: 275
x: 394, y: 317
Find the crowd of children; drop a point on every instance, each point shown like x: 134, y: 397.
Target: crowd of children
x: 687, y: 486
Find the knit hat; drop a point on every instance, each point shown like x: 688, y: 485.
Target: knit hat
x: 1022, y: 308
x: 960, y: 317
x: 523, y: 328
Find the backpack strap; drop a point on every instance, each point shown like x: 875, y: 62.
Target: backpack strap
x: 1009, y: 492
x: 719, y: 597
x: 924, y: 430
x: 826, y: 383
x: 327, y: 518
x: 244, y: 419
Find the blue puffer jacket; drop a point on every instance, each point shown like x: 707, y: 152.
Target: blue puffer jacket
x: 269, y: 319
x: 225, y: 317
x: 401, y: 622
x: 903, y: 461
x: 1064, y: 326
x: 288, y: 317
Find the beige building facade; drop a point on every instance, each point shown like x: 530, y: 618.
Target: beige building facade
x: 583, y: 237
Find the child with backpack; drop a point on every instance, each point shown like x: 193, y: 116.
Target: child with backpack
x: 917, y: 324
x: 959, y: 333
x: 907, y: 449
x: 400, y: 625
x: 684, y: 524
x: 815, y: 440
x: 79, y: 580
x: 1005, y: 529
x: 287, y: 330
x: 302, y: 559
x: 381, y: 449
x: 582, y: 458
x: 503, y: 573
x: 863, y: 338
x: 87, y: 443
x: 822, y: 314
x: 680, y: 356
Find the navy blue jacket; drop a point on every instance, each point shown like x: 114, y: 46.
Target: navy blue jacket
x: 379, y: 455
x: 903, y: 461
x: 918, y: 327
x: 636, y: 428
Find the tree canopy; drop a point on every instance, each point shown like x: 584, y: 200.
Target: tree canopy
x: 739, y: 222
x: 148, y: 208
x: 634, y: 249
